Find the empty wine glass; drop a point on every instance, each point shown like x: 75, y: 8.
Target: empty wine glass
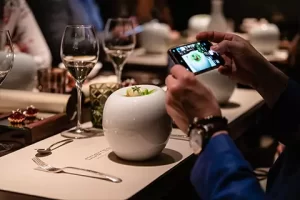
x: 118, y: 42
x: 79, y: 53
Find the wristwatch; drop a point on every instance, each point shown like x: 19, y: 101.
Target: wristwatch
x: 201, y: 130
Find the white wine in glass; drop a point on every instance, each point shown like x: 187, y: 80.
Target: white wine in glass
x: 79, y: 53
x: 80, y: 66
x: 118, y: 42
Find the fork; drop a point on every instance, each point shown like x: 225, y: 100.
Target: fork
x: 50, y: 168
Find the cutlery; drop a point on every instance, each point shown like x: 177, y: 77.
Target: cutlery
x: 48, y: 150
x: 50, y: 168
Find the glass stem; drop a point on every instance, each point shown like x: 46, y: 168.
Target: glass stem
x: 118, y: 71
x: 78, y: 87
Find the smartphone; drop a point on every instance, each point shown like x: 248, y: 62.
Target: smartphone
x: 196, y: 57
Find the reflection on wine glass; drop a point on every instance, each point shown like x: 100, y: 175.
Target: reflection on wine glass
x: 118, y: 42
x: 79, y: 52
x: 6, y: 64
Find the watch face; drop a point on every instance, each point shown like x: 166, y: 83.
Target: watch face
x: 196, y: 140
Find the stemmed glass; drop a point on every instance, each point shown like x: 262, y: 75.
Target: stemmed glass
x: 79, y: 53
x: 6, y: 63
x: 6, y: 54
x: 118, y: 42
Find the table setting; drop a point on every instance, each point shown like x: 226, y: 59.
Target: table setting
x: 107, y: 155
x: 129, y: 143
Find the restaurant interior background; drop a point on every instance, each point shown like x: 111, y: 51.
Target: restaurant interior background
x: 57, y: 106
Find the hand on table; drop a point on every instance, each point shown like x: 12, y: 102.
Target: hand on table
x: 187, y: 98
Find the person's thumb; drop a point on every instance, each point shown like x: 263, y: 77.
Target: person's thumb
x: 225, y: 70
x: 226, y: 46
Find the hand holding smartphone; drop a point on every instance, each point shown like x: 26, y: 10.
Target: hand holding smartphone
x: 196, y: 57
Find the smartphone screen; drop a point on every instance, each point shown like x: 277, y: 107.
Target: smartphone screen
x: 196, y: 57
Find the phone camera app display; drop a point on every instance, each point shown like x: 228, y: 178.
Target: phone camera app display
x: 198, y: 56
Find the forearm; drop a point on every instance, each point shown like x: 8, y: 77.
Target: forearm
x: 282, y: 95
x: 222, y: 173
x: 271, y: 84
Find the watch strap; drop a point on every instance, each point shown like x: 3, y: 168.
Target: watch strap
x: 208, y: 127
x: 210, y: 124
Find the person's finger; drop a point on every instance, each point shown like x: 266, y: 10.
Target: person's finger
x: 179, y: 71
x: 170, y: 81
x: 214, y: 36
x: 173, y: 87
x: 227, y: 60
x: 225, y: 70
x: 225, y: 47
x: 186, y: 78
x: 176, y: 112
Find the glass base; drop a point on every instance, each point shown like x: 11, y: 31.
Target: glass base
x: 79, y: 133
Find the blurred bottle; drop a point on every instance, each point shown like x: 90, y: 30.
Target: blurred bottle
x: 218, y: 21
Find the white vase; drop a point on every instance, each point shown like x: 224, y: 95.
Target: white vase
x: 265, y: 37
x: 198, y: 23
x: 218, y: 21
x: 221, y: 86
x: 155, y: 37
x: 137, y: 128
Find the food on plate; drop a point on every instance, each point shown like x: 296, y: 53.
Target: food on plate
x: 31, y: 112
x: 138, y: 91
x: 196, y: 57
x: 16, y: 117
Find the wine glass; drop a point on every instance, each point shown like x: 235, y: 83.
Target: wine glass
x: 6, y: 54
x: 118, y: 42
x: 79, y: 53
x: 6, y: 63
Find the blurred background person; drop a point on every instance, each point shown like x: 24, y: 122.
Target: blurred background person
x: 54, y: 16
x: 26, y: 34
x: 32, y: 52
x: 91, y: 14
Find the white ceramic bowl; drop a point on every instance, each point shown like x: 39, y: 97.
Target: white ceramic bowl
x: 198, y: 23
x: 265, y: 37
x: 221, y: 86
x: 23, y: 73
x: 137, y: 128
x: 155, y: 37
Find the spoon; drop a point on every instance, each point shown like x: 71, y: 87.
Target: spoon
x: 48, y: 150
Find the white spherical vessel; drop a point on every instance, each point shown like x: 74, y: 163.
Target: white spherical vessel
x: 265, y: 37
x: 221, y: 86
x: 155, y: 37
x: 197, y: 24
x: 137, y: 128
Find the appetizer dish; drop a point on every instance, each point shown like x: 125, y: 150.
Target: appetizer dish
x: 17, y: 117
x: 31, y: 112
x: 138, y: 91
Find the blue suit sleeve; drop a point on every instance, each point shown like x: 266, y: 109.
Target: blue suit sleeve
x: 222, y: 173
x: 284, y: 120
